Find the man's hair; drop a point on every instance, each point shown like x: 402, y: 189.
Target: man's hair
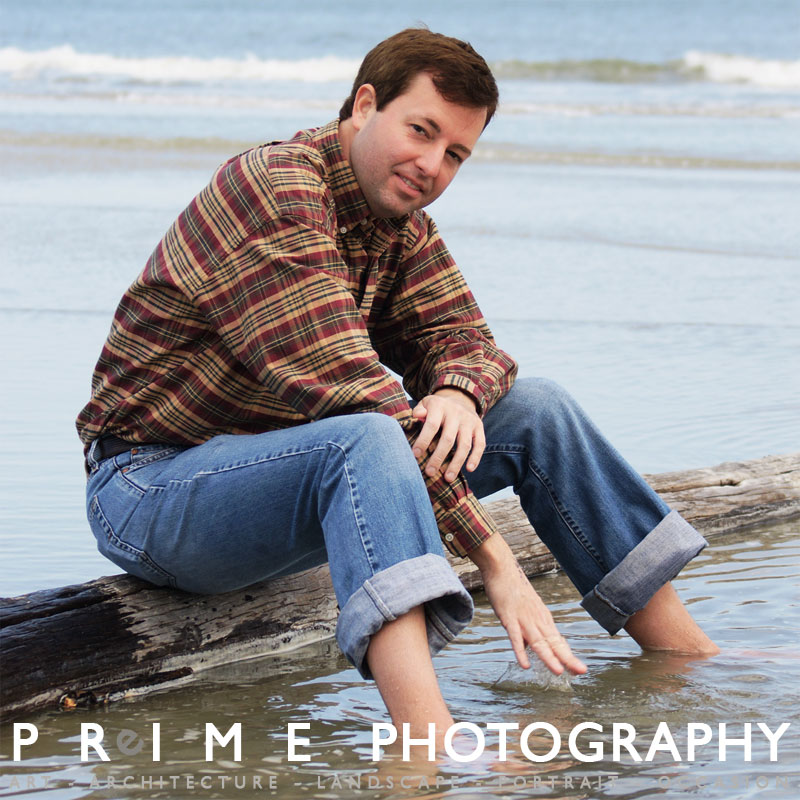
x: 459, y: 74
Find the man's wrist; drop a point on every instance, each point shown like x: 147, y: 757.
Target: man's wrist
x: 492, y: 554
x: 460, y: 396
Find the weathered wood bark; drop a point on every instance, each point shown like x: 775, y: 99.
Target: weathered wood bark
x: 117, y: 636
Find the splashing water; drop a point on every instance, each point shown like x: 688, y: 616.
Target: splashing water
x: 515, y: 678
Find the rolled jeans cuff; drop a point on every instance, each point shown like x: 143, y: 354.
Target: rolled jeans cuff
x: 657, y: 559
x: 392, y: 592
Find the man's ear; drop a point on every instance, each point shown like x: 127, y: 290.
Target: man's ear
x: 365, y: 104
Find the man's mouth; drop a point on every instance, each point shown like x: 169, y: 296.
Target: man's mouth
x: 415, y: 187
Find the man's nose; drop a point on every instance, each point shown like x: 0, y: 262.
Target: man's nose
x: 429, y: 161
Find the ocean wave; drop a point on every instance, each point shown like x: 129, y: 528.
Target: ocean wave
x: 65, y: 61
x: 694, y: 66
x: 740, y: 69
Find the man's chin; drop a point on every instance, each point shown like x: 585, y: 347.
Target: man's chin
x: 390, y: 206
x: 392, y: 212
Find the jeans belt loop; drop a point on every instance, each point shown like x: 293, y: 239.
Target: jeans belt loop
x: 107, y: 447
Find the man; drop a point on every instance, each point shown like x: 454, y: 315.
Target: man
x: 243, y: 425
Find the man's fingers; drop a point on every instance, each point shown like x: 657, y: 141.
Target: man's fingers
x: 549, y: 650
x: 556, y: 654
x: 544, y: 651
x: 451, y: 434
x: 518, y: 646
x: 527, y: 620
x: 433, y: 421
x: 478, y: 446
x: 565, y: 655
x: 549, y: 645
x: 463, y: 448
x: 447, y: 438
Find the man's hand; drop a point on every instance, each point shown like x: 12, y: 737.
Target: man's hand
x: 521, y: 611
x: 449, y: 414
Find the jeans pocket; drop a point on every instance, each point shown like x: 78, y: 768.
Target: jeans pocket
x: 141, y: 466
x: 124, y: 548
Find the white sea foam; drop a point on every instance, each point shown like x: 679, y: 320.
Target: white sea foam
x: 720, y: 68
x: 66, y: 61
x: 693, y: 66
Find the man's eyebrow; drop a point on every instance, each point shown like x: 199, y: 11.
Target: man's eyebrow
x: 461, y: 147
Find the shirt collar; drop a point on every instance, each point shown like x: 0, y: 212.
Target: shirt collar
x: 351, y: 205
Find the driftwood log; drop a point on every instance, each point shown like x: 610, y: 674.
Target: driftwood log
x: 118, y: 636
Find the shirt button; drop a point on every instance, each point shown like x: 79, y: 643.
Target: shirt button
x: 448, y: 537
x: 343, y: 229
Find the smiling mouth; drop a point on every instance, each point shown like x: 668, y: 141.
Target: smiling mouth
x: 416, y: 188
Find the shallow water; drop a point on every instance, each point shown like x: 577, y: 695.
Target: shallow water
x: 743, y: 589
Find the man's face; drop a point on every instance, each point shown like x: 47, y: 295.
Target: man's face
x: 405, y: 155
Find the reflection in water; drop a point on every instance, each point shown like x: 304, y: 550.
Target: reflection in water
x: 742, y: 589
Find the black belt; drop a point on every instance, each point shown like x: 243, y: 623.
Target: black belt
x: 108, y: 446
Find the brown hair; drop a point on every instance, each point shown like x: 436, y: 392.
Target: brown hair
x: 459, y: 74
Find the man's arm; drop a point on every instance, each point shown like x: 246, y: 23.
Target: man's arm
x: 432, y: 332
x: 452, y: 415
x: 518, y: 606
x: 521, y: 611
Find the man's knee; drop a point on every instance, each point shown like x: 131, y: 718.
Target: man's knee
x: 378, y: 428
x: 536, y: 398
x: 377, y: 435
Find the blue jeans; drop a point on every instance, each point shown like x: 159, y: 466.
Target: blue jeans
x: 615, y: 538
x: 347, y: 490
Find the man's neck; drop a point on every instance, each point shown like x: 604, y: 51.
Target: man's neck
x: 346, y: 133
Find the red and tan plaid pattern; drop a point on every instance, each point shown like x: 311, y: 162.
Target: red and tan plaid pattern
x: 276, y: 299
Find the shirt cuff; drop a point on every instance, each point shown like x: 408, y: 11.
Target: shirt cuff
x: 463, y: 522
x: 465, y: 385
x: 464, y: 526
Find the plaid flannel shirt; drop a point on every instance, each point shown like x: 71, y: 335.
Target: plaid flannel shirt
x: 276, y: 299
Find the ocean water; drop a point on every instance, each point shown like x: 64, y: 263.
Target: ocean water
x: 628, y: 224
x: 736, y: 589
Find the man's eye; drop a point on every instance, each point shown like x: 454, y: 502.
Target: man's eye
x: 419, y: 129
x: 455, y: 156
